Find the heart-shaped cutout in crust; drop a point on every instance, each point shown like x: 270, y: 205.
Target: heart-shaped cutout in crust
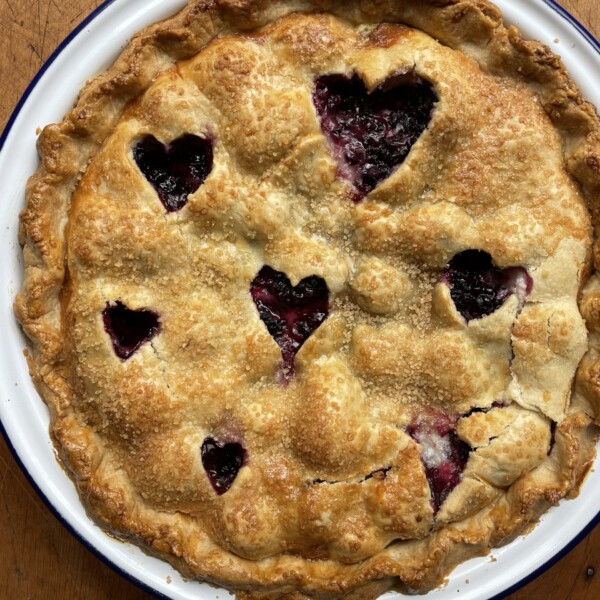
x: 129, y: 329
x: 372, y: 133
x: 291, y: 314
x: 175, y: 170
x: 478, y: 287
x: 222, y: 462
x: 443, y: 453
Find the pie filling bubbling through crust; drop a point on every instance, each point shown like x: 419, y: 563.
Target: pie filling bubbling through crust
x: 321, y: 311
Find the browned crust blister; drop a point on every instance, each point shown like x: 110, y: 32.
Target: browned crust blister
x: 494, y: 514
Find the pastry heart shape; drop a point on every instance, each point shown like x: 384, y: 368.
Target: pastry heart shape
x: 222, y: 462
x: 128, y: 329
x: 478, y: 287
x: 175, y: 170
x: 290, y: 313
x: 371, y: 133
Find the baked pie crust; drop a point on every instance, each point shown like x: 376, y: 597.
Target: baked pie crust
x: 289, y: 362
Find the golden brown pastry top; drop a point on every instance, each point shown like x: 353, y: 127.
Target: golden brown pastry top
x: 339, y: 450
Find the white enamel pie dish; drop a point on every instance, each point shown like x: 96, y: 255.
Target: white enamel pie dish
x: 23, y: 416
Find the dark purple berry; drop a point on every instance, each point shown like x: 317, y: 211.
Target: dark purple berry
x: 175, y: 170
x: 129, y: 329
x: 478, y: 288
x: 290, y: 314
x: 222, y: 462
x: 443, y: 453
x: 372, y: 133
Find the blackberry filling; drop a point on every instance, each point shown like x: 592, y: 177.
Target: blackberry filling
x: 128, y: 329
x: 372, y: 133
x: 222, y: 462
x: 443, y: 453
x: 175, y: 170
x: 478, y: 288
x: 290, y: 314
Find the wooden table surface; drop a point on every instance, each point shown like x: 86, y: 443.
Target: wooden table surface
x: 38, y: 557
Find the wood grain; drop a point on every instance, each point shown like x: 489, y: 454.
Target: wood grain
x: 38, y: 557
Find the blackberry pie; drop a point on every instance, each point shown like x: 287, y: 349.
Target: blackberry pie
x: 311, y: 295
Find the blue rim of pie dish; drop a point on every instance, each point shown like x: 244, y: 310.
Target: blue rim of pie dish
x: 564, y: 14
